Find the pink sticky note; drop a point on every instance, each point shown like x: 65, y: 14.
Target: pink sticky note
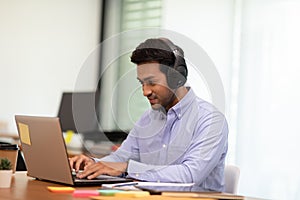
x: 85, y: 193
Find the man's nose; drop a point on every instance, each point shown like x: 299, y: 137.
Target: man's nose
x: 147, y: 90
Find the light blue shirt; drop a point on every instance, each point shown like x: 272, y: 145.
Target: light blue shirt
x: 187, y: 145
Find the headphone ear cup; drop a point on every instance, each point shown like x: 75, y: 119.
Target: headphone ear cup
x: 176, y: 75
x: 176, y: 78
x: 172, y: 78
x: 182, y: 75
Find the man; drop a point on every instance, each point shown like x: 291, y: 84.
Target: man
x: 181, y: 138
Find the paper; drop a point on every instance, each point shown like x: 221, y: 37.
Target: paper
x: 24, y: 133
x: 164, y: 184
x: 208, y: 195
x: 142, y: 183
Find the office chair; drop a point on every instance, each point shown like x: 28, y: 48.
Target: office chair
x: 232, y: 175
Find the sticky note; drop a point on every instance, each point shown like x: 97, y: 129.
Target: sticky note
x: 61, y: 189
x: 132, y: 194
x: 85, y: 193
x: 69, y: 136
x: 103, y: 198
x: 109, y: 192
x: 24, y: 133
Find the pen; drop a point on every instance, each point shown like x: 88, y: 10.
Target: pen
x: 125, y: 184
x: 119, y: 185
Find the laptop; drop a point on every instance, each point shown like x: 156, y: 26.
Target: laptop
x: 45, y: 152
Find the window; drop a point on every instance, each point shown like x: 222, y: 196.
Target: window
x: 121, y: 101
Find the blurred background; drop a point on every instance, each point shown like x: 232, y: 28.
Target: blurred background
x: 50, y: 47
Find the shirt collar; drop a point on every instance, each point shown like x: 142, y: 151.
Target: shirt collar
x: 180, y: 108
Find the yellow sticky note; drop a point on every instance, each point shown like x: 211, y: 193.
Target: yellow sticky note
x: 69, y: 136
x: 132, y: 194
x: 24, y: 133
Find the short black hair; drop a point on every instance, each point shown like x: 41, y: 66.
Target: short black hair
x: 159, y: 50
x: 153, y: 50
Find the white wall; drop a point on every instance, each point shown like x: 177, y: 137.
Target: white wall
x: 43, y: 45
x: 210, y: 24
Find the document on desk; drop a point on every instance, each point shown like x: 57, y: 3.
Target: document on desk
x: 164, y: 184
x: 142, y: 183
x: 210, y: 195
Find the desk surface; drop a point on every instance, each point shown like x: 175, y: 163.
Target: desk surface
x: 26, y: 188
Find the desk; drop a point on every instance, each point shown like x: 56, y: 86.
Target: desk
x: 25, y: 188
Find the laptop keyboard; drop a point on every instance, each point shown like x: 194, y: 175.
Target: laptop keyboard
x: 98, y: 179
x: 101, y: 177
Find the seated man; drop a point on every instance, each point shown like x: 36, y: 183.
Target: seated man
x: 182, y: 138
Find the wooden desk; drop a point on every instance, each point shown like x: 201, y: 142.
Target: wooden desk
x: 26, y: 188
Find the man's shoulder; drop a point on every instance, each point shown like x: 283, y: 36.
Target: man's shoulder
x: 195, y: 103
x: 201, y: 111
x: 149, y: 116
x: 203, y: 105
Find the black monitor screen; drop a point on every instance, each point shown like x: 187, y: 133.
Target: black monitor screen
x: 78, y: 111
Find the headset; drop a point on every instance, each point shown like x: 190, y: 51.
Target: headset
x: 176, y: 75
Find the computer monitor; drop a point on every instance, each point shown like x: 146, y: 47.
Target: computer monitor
x: 78, y: 111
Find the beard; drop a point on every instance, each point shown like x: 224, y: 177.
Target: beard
x: 156, y: 106
x: 165, y: 104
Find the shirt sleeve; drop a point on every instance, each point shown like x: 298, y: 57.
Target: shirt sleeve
x: 127, y: 150
x: 208, y: 147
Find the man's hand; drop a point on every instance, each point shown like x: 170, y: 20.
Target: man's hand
x: 79, y: 162
x: 92, y: 170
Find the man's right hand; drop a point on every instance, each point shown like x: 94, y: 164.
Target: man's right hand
x: 79, y: 162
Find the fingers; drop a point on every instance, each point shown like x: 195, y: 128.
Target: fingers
x: 73, y: 161
x: 78, y: 162
x: 92, y: 170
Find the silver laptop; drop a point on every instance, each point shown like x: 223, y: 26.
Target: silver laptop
x: 45, y: 152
